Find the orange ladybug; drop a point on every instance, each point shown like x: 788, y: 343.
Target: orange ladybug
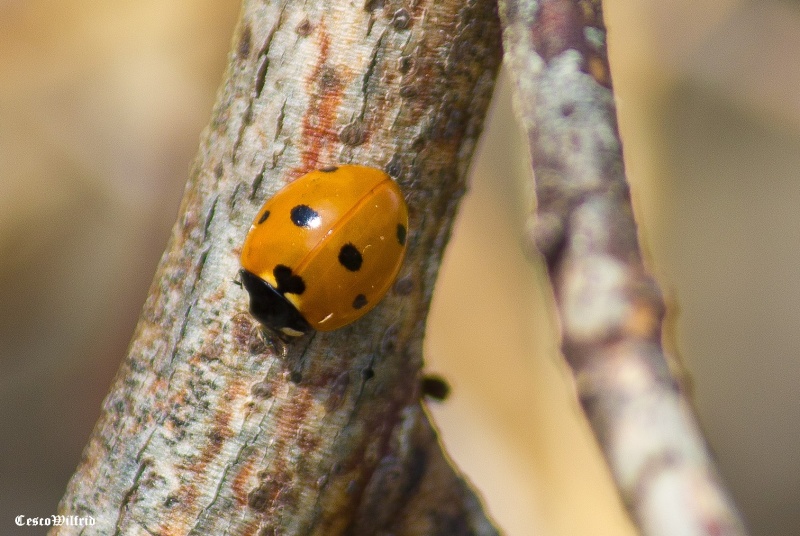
x: 325, y: 249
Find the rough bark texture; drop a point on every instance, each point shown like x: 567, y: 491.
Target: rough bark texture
x: 610, y: 308
x: 212, y: 428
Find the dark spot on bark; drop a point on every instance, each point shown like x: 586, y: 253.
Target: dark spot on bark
x: 558, y: 27
x: 404, y: 286
x: 372, y: 5
x: 416, y: 468
x: 258, y: 499
x: 241, y: 329
x: 435, y: 387
x: 338, y: 392
x: 394, y: 167
x: 328, y: 80
x: 401, y: 19
x: 261, y: 76
x: 408, y: 92
x: 404, y: 64
x: 216, y: 437
x: 304, y: 28
x: 419, y: 142
x: 308, y: 441
x: 389, y: 341
x: 243, y: 50
x: 261, y: 390
x: 256, y: 183
x: 352, y: 134
x: 575, y: 140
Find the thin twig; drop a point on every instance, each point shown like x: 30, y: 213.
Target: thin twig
x: 610, y: 308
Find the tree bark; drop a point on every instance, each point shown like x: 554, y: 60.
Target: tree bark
x: 212, y: 427
x: 610, y: 307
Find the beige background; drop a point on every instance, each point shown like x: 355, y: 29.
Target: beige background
x: 101, y: 105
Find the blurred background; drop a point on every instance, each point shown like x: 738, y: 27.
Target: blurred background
x: 101, y: 107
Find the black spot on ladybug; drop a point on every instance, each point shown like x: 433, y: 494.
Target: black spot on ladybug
x: 350, y: 258
x: 329, y: 169
x: 263, y: 217
x: 288, y: 283
x: 305, y: 216
x: 401, y: 234
x: 360, y: 301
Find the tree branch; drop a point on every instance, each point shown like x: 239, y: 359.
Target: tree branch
x: 210, y: 428
x: 610, y: 308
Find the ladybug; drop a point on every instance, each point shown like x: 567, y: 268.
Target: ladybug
x: 325, y: 249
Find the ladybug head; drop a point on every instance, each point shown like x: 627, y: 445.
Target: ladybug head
x: 271, y: 308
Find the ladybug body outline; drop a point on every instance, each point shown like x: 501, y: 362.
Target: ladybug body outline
x: 325, y: 249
